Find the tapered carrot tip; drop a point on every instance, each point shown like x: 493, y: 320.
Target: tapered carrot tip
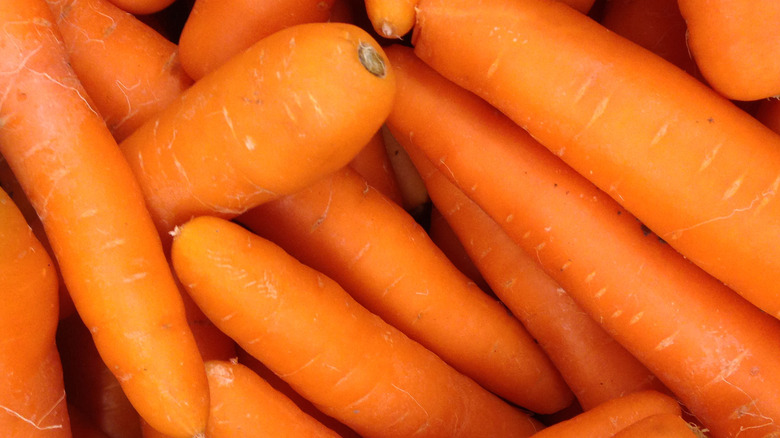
x: 371, y: 60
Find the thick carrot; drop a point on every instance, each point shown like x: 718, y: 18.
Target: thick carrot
x: 594, y: 366
x: 712, y: 349
x: 658, y: 426
x: 695, y: 169
x: 347, y: 361
x: 391, y: 18
x: 130, y: 71
x: 93, y: 212
x: 296, y: 106
x: 345, y: 229
x: 373, y: 164
x: 216, y: 30
x: 610, y: 417
x: 32, y: 394
x: 142, y: 7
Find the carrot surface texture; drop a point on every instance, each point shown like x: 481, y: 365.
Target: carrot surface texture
x: 347, y: 230
x: 32, y: 393
x: 695, y: 169
x: 130, y: 71
x: 216, y: 30
x: 715, y: 351
x: 296, y: 106
x: 658, y: 426
x: 347, y: 361
x: 93, y: 212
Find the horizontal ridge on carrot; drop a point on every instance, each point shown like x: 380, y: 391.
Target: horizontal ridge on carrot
x: 695, y: 169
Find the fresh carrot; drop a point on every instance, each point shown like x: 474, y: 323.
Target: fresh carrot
x: 373, y: 164
x: 345, y: 229
x: 130, y: 71
x: 449, y: 242
x: 347, y: 361
x: 715, y: 351
x: 142, y: 7
x: 658, y: 426
x: 412, y: 187
x: 736, y: 44
x: 243, y: 404
x: 93, y: 212
x: 296, y: 106
x: 610, y: 417
x: 32, y: 395
x: 391, y: 18
x: 695, y: 169
x: 216, y: 30
x: 594, y: 366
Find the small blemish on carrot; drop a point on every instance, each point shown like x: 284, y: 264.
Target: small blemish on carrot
x: 371, y: 59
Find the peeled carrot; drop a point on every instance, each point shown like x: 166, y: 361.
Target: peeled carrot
x: 216, y: 30
x: 32, y: 395
x: 142, y: 7
x: 373, y: 164
x: 348, y: 362
x: 345, y: 229
x: 695, y: 169
x: 298, y: 105
x: 715, y: 351
x: 130, y: 71
x: 658, y: 426
x: 391, y: 18
x: 93, y: 212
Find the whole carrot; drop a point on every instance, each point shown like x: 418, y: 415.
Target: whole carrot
x: 715, y: 351
x: 345, y: 229
x: 130, y: 71
x: 32, y: 394
x: 296, y: 106
x: 347, y: 361
x: 93, y: 212
x: 695, y: 169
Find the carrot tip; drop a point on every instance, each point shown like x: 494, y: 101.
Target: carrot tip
x: 371, y: 60
x: 388, y: 31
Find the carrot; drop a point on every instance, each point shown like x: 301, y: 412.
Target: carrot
x: 343, y: 228
x: 391, y: 18
x: 594, y: 366
x: 243, y: 404
x: 142, y: 7
x: 130, y: 71
x: 348, y: 362
x: 205, y: 44
x: 696, y: 170
x: 412, y: 187
x: 610, y: 417
x: 736, y: 44
x: 93, y: 212
x: 298, y: 105
x: 448, y: 241
x: 373, y: 164
x: 32, y: 396
x: 658, y: 426
x: 715, y: 351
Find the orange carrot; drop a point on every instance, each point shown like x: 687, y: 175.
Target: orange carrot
x: 81, y: 426
x: 142, y: 7
x: 658, y: 426
x: 345, y: 229
x: 373, y: 164
x: 410, y: 184
x: 715, y: 351
x: 608, y: 418
x: 391, y: 18
x: 93, y: 212
x: 698, y: 171
x: 130, y: 71
x: 448, y: 241
x: 736, y: 44
x: 298, y: 105
x: 348, y: 362
x: 216, y: 30
x: 32, y: 396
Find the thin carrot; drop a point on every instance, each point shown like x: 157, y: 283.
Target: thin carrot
x: 32, y: 396
x: 347, y: 361
x: 130, y: 71
x: 345, y: 229
x: 715, y: 351
x: 610, y: 417
x: 447, y: 240
x: 658, y: 426
x: 142, y: 7
x: 391, y: 18
x: 205, y: 42
x: 296, y: 106
x: 698, y: 171
x: 373, y: 164
x: 93, y: 212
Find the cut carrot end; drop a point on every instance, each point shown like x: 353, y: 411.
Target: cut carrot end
x: 371, y: 60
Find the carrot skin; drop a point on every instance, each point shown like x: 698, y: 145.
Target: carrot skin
x: 712, y: 349
x: 373, y: 164
x: 695, y: 169
x: 658, y: 426
x: 348, y: 362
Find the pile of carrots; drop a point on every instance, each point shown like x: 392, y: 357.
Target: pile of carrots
x: 389, y: 218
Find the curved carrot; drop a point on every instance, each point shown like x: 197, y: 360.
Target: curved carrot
x: 296, y: 106
x: 373, y: 164
x: 391, y: 18
x: 107, y: 248
x: 345, y: 229
x: 696, y: 170
x: 309, y: 331
x: 216, y: 30
x: 32, y: 396
x: 610, y: 417
x: 658, y: 426
x: 736, y: 44
x: 130, y: 71
x: 715, y: 351
x: 142, y: 7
